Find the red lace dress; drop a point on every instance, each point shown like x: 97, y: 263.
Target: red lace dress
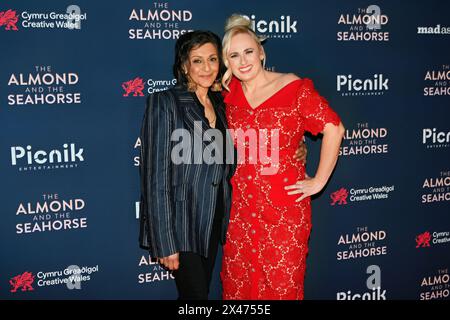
x: 267, y: 241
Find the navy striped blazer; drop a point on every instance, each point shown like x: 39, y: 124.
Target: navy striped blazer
x: 178, y: 201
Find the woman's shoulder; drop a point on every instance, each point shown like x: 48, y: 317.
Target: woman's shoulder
x: 300, y: 83
x: 289, y: 77
x: 284, y: 81
x: 162, y: 94
x: 281, y: 79
x: 165, y: 99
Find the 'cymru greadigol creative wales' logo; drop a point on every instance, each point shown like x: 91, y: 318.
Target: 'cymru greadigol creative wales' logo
x: 136, y: 86
x: 428, y: 239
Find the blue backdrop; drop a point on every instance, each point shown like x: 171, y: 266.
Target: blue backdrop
x: 73, y: 81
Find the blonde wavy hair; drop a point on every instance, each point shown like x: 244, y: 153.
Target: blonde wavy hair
x: 234, y: 25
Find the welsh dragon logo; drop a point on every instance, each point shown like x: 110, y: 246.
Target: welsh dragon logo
x: 339, y: 196
x: 134, y: 86
x: 24, y: 281
x: 9, y: 19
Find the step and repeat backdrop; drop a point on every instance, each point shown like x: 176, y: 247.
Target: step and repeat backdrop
x: 73, y: 82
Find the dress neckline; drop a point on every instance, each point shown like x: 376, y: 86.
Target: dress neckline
x: 269, y: 98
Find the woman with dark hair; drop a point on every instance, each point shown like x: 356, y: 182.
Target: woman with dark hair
x: 184, y: 208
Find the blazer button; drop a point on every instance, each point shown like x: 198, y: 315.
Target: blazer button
x: 214, y: 184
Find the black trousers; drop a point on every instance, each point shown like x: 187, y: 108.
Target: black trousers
x: 193, y: 277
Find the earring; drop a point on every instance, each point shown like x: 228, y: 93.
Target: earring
x: 217, y: 86
x: 191, y: 85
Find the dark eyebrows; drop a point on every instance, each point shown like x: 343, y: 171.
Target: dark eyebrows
x: 211, y: 55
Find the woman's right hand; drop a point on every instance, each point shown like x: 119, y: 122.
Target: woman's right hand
x: 301, y: 152
x: 171, y: 262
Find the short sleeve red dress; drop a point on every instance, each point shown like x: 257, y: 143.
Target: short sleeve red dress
x: 267, y: 241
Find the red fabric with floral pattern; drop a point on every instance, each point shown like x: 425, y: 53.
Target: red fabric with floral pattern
x: 267, y: 241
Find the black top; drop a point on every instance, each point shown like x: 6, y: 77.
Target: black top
x: 219, y: 124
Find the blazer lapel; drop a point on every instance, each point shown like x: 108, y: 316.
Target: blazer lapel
x: 193, y: 115
x: 219, y: 108
x: 231, y: 150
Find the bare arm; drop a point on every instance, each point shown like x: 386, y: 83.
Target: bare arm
x: 329, y: 151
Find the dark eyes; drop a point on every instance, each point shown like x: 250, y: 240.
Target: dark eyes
x: 213, y: 59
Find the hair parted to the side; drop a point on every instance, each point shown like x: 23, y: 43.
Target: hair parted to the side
x: 234, y: 25
x: 192, y: 40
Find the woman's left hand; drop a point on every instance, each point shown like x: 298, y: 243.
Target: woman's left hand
x: 306, y: 187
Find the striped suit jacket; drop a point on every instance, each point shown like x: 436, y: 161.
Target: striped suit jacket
x: 178, y: 200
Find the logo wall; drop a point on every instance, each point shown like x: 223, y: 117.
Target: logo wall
x: 363, y: 139
x: 26, y: 158
x: 361, y: 244
x: 434, y: 30
x: 135, y: 87
x: 373, y: 85
x: 437, y: 82
x: 43, y: 86
x: 71, y: 19
x: 282, y: 27
x: 343, y: 195
x: 436, y: 189
x: 434, y: 138
x: 72, y: 277
x: 366, y: 24
x: 373, y: 283
x: 436, y: 286
x: 163, y: 21
x: 154, y: 272
x: 51, y: 213
x: 428, y: 239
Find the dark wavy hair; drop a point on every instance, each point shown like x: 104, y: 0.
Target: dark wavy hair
x: 192, y: 40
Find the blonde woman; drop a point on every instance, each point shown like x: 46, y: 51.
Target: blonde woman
x: 270, y: 220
